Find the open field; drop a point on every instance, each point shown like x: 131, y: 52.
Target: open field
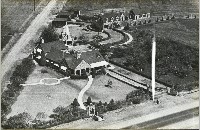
x: 185, y: 31
x: 156, y: 7
x: 44, y: 98
x: 13, y: 15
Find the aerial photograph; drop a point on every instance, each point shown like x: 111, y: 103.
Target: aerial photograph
x: 99, y: 64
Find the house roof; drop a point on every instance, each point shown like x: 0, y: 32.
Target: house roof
x: 71, y: 61
x: 92, y: 56
x: 89, y: 57
x: 55, y: 55
x: 140, y: 11
x: 56, y: 44
x: 61, y: 19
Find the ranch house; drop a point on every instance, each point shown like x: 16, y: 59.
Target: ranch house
x: 63, y: 56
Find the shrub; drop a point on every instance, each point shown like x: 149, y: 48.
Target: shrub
x: 44, y: 71
x: 78, y: 77
x: 136, y: 97
x: 18, y: 121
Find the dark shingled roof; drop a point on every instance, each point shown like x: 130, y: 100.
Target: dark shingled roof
x: 72, y: 62
x: 55, y: 55
x: 92, y: 56
x: 59, y: 45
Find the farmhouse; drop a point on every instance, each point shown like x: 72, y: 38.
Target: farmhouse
x: 62, y: 56
x: 63, y: 17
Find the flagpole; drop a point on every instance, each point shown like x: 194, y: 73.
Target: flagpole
x: 153, y: 65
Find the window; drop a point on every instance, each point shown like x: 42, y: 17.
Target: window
x: 87, y: 70
x: 78, y: 72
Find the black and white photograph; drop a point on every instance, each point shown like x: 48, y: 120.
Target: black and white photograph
x: 99, y: 64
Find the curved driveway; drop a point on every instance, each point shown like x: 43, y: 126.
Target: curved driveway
x: 80, y: 96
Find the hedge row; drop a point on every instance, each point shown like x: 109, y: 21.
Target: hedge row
x: 19, y: 76
x: 139, y: 73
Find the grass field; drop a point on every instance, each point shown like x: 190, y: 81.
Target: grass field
x: 185, y: 31
x: 13, y: 15
x: 43, y: 98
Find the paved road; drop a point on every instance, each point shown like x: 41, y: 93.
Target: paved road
x: 16, y: 53
x: 166, y: 120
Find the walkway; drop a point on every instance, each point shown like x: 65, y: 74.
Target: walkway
x: 114, y: 37
x: 80, y: 96
x: 130, y: 39
x: 42, y: 81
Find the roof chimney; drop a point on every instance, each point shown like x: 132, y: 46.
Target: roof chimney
x: 78, y: 55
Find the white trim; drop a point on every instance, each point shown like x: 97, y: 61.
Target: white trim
x: 38, y: 57
x: 56, y: 64
x: 39, y: 50
x: 98, y: 64
x: 34, y: 50
x: 63, y: 68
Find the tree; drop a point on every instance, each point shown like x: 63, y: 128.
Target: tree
x: 75, y: 103
x: 18, y: 121
x: 100, y: 103
x: 97, y: 23
x: 111, y: 105
x: 49, y: 34
x: 89, y: 100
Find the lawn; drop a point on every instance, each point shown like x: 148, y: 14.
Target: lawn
x: 44, y: 98
x: 114, y: 37
x: 98, y: 91
x: 78, y: 32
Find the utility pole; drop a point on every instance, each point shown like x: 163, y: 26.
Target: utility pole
x: 34, y: 5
